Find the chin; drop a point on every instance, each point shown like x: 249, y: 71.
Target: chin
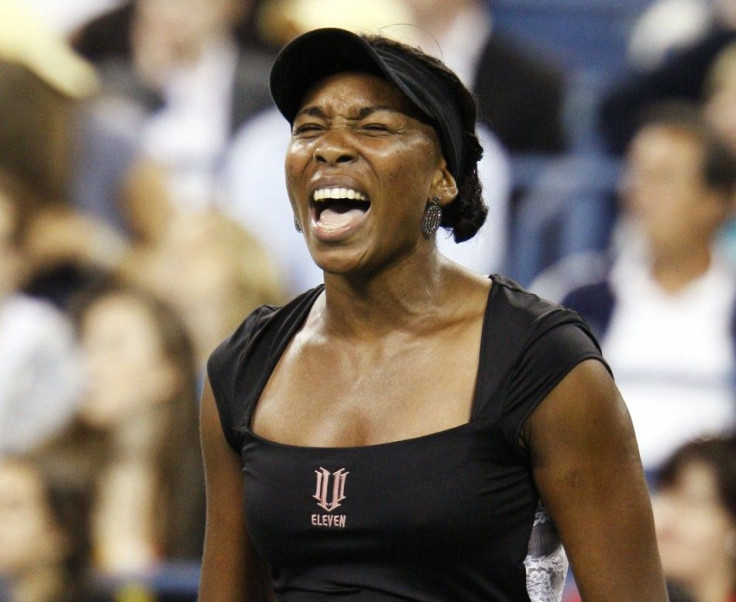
x: 338, y: 263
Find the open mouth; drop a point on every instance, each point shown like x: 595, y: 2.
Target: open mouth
x: 335, y: 207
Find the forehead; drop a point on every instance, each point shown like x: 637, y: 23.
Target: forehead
x: 667, y: 142
x: 661, y: 132
x: 117, y: 311
x: 696, y: 475
x: 345, y: 91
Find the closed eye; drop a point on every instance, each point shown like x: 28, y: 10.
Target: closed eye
x: 307, y: 128
x: 375, y: 126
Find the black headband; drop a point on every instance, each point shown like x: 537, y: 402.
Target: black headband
x: 323, y: 52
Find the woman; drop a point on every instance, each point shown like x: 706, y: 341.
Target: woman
x: 695, y: 517
x: 138, y: 426
x: 44, y: 530
x: 393, y: 432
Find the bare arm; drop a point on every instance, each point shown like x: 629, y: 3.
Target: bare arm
x: 587, y: 468
x: 232, y: 570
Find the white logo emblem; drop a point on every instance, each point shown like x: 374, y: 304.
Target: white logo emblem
x: 323, y: 488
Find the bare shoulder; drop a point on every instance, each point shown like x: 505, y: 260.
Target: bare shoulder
x: 585, y: 408
x: 581, y: 428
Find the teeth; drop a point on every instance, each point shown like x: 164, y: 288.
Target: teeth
x: 339, y: 193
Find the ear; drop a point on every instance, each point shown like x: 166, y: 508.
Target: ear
x: 443, y: 183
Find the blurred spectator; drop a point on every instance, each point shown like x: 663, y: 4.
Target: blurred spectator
x: 695, y: 518
x: 228, y: 274
x: 253, y: 187
x: 664, y: 308
x: 137, y: 430
x: 520, y: 91
x: 720, y: 110
x: 43, y: 85
x: 174, y: 89
x: 681, y: 76
x: 44, y: 530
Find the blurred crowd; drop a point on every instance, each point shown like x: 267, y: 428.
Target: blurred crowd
x: 143, y: 215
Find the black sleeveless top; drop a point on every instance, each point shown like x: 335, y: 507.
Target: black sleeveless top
x: 446, y: 516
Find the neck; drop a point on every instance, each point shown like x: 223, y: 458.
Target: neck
x: 401, y: 298
x: 673, y: 270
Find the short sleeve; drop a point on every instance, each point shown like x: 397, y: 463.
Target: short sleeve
x: 240, y: 366
x: 550, y: 354
x: 224, y: 366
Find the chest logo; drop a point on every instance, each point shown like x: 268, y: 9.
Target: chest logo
x: 330, y: 489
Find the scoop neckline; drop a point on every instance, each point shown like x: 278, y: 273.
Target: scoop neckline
x: 315, y: 294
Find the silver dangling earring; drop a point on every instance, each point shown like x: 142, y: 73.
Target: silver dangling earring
x: 432, y: 217
x: 297, y: 226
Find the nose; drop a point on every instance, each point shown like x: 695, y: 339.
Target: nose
x: 333, y: 149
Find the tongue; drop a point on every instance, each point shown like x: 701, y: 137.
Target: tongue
x: 337, y: 217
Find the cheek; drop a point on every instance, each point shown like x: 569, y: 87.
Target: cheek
x: 295, y: 163
x: 411, y: 172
